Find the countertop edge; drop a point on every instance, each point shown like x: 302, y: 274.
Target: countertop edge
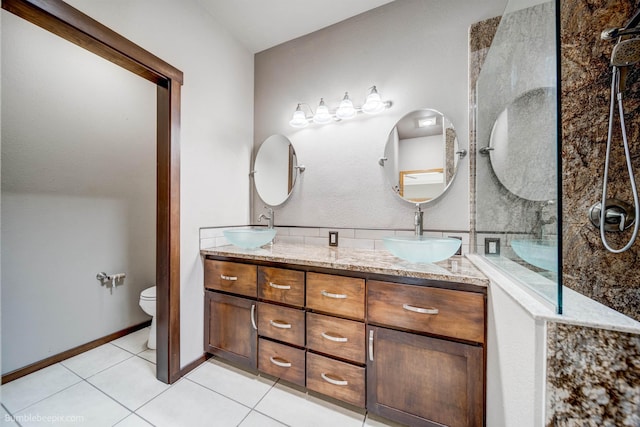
x: 360, y: 261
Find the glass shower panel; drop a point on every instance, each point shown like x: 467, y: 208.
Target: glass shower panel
x: 517, y: 220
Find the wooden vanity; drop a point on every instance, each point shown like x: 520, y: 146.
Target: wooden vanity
x: 411, y: 349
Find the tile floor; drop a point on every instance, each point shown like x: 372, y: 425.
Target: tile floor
x: 115, y: 385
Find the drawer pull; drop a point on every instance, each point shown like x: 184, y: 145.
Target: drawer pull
x: 279, y: 324
x: 334, y: 338
x: 334, y: 296
x: 371, y: 345
x: 278, y: 361
x: 330, y: 380
x: 282, y: 287
x: 420, y: 309
x: 253, y: 317
x: 229, y: 278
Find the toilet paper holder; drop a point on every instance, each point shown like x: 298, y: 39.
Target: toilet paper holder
x: 109, y: 279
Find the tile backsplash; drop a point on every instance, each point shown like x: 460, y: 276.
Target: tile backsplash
x: 361, y: 238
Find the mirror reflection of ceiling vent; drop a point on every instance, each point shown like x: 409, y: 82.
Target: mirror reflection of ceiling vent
x: 427, y: 121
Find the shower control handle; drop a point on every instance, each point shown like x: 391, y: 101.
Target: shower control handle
x: 615, y: 217
x: 618, y: 215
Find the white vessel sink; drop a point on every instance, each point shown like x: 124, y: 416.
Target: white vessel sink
x: 422, y: 248
x: 541, y: 253
x: 251, y: 237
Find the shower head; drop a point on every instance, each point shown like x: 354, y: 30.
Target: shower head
x: 626, y: 52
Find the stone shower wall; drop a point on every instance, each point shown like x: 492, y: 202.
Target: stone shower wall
x: 612, y: 279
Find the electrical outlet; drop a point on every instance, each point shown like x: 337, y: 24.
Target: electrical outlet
x: 333, y: 238
x: 460, y: 248
x: 492, y: 246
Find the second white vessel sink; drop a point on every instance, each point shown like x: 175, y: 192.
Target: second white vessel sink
x: 422, y: 248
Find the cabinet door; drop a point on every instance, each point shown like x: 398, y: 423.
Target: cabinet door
x: 424, y: 381
x: 230, y: 330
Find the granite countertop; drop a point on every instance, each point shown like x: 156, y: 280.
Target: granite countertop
x: 455, y: 269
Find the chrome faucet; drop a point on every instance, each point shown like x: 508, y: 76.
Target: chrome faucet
x: 539, y: 222
x: 269, y: 218
x: 418, y: 220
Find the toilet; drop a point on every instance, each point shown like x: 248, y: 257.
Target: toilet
x: 148, y: 305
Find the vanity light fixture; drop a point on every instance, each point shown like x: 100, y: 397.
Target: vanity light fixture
x: 373, y: 104
x: 299, y: 119
x: 322, y: 115
x: 346, y: 110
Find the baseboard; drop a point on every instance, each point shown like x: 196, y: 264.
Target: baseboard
x: 36, y: 366
x: 193, y: 365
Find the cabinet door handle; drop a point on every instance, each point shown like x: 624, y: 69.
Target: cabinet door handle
x: 282, y: 362
x: 282, y: 287
x: 332, y: 381
x: 333, y: 338
x: 420, y: 309
x: 371, y: 345
x: 279, y: 324
x: 253, y: 317
x: 229, y: 278
x: 335, y: 296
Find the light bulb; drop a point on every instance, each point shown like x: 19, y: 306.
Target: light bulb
x: 299, y: 119
x: 346, y: 111
x: 373, y: 104
x: 322, y: 116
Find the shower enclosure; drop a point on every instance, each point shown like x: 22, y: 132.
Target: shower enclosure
x: 515, y: 115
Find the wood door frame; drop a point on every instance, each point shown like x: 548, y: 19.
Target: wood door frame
x: 69, y: 23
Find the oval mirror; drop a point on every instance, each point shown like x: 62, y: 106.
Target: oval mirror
x: 420, y: 159
x: 275, y: 170
x: 522, y: 145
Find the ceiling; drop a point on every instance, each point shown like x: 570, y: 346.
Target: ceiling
x: 261, y: 24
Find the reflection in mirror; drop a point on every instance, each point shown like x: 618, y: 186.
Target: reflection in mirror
x: 275, y: 170
x: 420, y: 156
x: 523, y: 145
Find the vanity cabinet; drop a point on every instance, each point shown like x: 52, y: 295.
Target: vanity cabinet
x: 407, y: 349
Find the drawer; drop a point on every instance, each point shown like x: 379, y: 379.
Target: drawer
x: 449, y: 313
x: 281, y: 285
x: 339, y: 380
x: 231, y: 277
x: 336, y: 337
x: 342, y: 296
x: 281, y: 323
x: 282, y: 361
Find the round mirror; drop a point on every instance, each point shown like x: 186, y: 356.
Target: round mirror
x: 523, y: 145
x: 420, y: 159
x: 275, y: 170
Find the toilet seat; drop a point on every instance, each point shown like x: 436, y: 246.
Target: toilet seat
x: 148, y: 294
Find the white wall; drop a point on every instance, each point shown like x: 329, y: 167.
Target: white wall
x: 425, y: 152
x: 78, y: 194
x: 216, y: 137
x: 416, y: 52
